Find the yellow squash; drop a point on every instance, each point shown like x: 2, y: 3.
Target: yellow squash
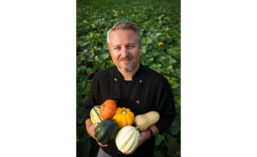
x: 123, y: 117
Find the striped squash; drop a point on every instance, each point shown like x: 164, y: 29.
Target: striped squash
x: 95, y: 115
x: 127, y: 139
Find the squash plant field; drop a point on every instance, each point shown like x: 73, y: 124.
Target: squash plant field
x: 159, y: 23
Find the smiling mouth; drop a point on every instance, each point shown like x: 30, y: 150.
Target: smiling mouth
x: 125, y: 62
x: 126, y: 59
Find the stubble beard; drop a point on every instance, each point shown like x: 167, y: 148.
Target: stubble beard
x: 129, y: 69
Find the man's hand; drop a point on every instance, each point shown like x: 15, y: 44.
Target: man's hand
x: 142, y: 138
x: 91, y: 131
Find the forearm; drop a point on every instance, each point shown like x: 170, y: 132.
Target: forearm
x: 88, y: 122
x: 89, y: 127
x: 154, y: 129
x: 145, y: 135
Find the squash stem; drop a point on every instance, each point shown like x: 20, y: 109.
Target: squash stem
x: 123, y: 112
x: 137, y: 128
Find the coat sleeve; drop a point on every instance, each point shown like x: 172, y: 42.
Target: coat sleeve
x: 92, y: 98
x: 165, y: 106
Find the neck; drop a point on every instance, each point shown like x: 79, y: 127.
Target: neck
x: 128, y: 75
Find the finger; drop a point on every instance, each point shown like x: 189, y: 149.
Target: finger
x: 129, y: 152
x: 102, y: 145
x: 94, y: 125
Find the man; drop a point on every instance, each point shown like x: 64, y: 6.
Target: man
x: 132, y: 85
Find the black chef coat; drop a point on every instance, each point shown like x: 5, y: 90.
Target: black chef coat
x: 147, y: 91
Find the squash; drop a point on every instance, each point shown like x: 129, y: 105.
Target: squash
x: 107, y: 109
x: 127, y: 139
x: 143, y: 121
x: 95, y: 115
x: 123, y: 117
x: 106, y: 131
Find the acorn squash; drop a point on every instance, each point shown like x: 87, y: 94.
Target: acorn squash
x: 106, y: 131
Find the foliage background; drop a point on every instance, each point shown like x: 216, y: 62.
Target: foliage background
x: 159, y: 23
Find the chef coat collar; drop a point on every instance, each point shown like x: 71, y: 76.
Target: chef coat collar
x: 134, y: 77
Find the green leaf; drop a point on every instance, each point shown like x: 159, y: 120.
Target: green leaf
x: 144, y: 49
x: 153, y: 54
x: 104, y: 56
x: 82, y: 85
x: 172, y: 146
x: 172, y: 51
x: 158, y: 139
x: 155, y: 66
x: 159, y: 153
x: 175, y: 127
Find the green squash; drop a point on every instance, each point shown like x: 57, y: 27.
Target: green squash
x: 106, y: 131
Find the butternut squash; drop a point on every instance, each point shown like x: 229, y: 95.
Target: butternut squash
x: 143, y: 121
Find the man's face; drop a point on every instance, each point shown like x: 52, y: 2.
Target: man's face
x: 124, y: 49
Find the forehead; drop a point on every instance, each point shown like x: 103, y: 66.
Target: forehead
x: 122, y: 36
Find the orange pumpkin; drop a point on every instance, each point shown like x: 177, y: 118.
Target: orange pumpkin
x: 108, y: 109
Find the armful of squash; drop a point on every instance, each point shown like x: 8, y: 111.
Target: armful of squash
x: 144, y: 121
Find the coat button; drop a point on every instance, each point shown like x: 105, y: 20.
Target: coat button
x: 140, y: 81
x: 137, y: 101
x: 115, y: 79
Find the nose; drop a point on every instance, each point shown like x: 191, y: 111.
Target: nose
x: 124, y: 52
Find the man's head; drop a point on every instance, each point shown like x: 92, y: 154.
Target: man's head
x: 124, y: 45
x: 126, y: 25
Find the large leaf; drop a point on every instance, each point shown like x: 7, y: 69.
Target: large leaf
x: 173, y: 146
x: 158, y: 139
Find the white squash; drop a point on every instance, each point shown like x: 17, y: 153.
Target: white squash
x: 127, y: 139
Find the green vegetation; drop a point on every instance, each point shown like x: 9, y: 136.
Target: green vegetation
x: 159, y: 22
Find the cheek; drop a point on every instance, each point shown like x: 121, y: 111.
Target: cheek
x: 114, y: 56
x: 136, y: 54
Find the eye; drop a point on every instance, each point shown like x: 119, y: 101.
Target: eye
x: 117, y: 48
x: 130, y: 46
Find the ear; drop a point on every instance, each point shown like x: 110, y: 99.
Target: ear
x: 140, y: 47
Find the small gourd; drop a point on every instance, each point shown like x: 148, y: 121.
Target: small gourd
x: 127, y: 139
x: 143, y: 121
x: 107, y: 109
x: 123, y: 117
x: 95, y: 114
